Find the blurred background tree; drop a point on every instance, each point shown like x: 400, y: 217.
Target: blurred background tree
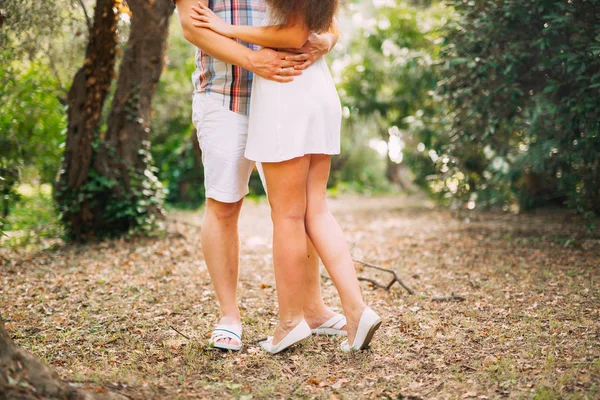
x: 521, y: 85
x: 37, y: 43
x: 386, y: 81
x: 479, y: 104
x: 107, y: 184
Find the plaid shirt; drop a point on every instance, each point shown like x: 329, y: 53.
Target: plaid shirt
x: 229, y: 84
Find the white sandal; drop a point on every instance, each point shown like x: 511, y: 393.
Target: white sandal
x: 332, y: 327
x: 368, y: 324
x: 297, y: 335
x: 226, y: 332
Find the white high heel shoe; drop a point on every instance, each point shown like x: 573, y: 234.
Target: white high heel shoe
x: 368, y: 324
x: 300, y: 333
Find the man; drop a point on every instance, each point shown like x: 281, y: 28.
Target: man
x: 222, y: 84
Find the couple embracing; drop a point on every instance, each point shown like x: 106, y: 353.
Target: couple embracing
x: 278, y: 109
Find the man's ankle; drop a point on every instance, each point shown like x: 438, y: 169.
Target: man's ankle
x: 230, y: 319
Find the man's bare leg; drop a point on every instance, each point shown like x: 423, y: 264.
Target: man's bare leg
x: 221, y: 247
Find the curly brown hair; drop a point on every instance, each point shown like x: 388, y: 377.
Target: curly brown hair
x: 318, y: 14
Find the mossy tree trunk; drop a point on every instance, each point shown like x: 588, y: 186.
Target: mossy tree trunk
x: 117, y: 189
x: 86, y: 99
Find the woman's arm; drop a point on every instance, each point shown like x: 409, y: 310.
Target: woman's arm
x: 266, y: 63
x: 293, y: 35
x: 275, y: 37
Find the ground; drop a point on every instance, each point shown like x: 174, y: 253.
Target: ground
x: 102, y: 315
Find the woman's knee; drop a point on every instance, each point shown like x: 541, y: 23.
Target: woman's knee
x: 295, y: 211
x: 316, y: 207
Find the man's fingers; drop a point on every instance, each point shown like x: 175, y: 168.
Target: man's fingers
x: 289, y: 72
x: 298, y: 57
x: 282, y: 79
x: 303, y: 66
x: 285, y: 54
x: 290, y: 64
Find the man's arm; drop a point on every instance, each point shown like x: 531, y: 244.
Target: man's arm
x: 266, y: 63
x: 315, y: 47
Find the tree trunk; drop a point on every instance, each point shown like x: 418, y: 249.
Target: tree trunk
x: 23, y: 377
x: 86, y: 98
x: 125, y: 157
x: 110, y: 181
x: 399, y: 174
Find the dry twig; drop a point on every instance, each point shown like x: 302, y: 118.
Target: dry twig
x: 379, y: 285
x: 452, y: 297
x: 175, y: 329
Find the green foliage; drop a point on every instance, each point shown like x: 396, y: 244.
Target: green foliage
x: 32, y: 122
x: 358, y: 168
x: 131, y: 210
x: 389, y: 77
x: 522, y: 81
x: 41, y: 44
x: 26, y: 20
x: 3, y: 222
x: 32, y: 219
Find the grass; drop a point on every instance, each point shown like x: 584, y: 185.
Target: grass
x: 32, y: 221
x: 101, y: 314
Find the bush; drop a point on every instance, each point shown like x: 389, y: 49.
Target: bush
x: 32, y: 122
x: 522, y: 82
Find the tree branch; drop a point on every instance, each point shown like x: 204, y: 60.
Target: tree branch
x: 87, y: 16
x: 389, y: 285
x: 452, y: 297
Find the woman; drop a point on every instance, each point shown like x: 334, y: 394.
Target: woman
x: 294, y: 128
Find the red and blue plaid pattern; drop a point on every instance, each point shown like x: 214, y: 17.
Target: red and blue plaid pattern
x: 228, y: 83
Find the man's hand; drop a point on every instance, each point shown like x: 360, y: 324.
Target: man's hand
x: 315, y: 47
x: 273, y: 65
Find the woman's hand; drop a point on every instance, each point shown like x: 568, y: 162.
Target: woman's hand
x: 205, y: 18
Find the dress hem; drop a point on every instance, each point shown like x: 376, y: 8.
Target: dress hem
x: 282, y: 159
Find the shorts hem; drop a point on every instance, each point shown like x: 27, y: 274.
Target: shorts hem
x: 222, y: 197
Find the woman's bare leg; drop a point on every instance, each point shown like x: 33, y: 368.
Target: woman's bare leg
x: 316, y: 312
x: 286, y: 184
x: 328, y: 238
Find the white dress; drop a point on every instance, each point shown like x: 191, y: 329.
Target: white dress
x: 289, y: 120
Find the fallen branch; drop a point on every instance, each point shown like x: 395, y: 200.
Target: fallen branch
x: 175, y: 329
x: 379, y: 285
x: 452, y: 297
x: 257, y: 341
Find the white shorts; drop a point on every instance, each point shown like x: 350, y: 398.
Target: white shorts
x: 222, y: 135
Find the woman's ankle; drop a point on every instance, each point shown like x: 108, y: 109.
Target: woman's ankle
x: 290, y: 323
x: 315, y: 310
x: 355, y: 310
